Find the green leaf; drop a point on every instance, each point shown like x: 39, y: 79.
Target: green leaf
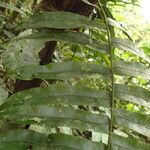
x: 59, y: 95
x: 74, y: 143
x: 114, y: 23
x: 61, y: 20
x: 133, y: 94
x: 12, y: 7
x: 132, y: 69
x: 122, y: 143
x: 61, y: 71
x: 72, y: 37
x: 3, y: 94
x: 135, y: 121
x: 127, y: 45
x: 54, y: 116
x: 25, y: 139
x: 22, y: 52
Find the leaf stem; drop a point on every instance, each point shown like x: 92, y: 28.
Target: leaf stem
x: 104, y: 17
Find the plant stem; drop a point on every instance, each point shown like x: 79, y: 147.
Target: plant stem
x: 104, y: 17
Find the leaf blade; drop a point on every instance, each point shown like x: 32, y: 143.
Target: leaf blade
x: 58, y: 95
x: 60, y: 71
x: 56, y: 116
x: 23, y: 139
x: 135, y: 121
x: 131, y: 69
x: 61, y: 20
x: 133, y: 94
x: 123, y: 143
x: 72, y: 37
x: 128, y: 45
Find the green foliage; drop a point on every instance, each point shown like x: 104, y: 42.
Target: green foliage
x: 62, y: 103
x: 48, y: 20
x: 71, y: 37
